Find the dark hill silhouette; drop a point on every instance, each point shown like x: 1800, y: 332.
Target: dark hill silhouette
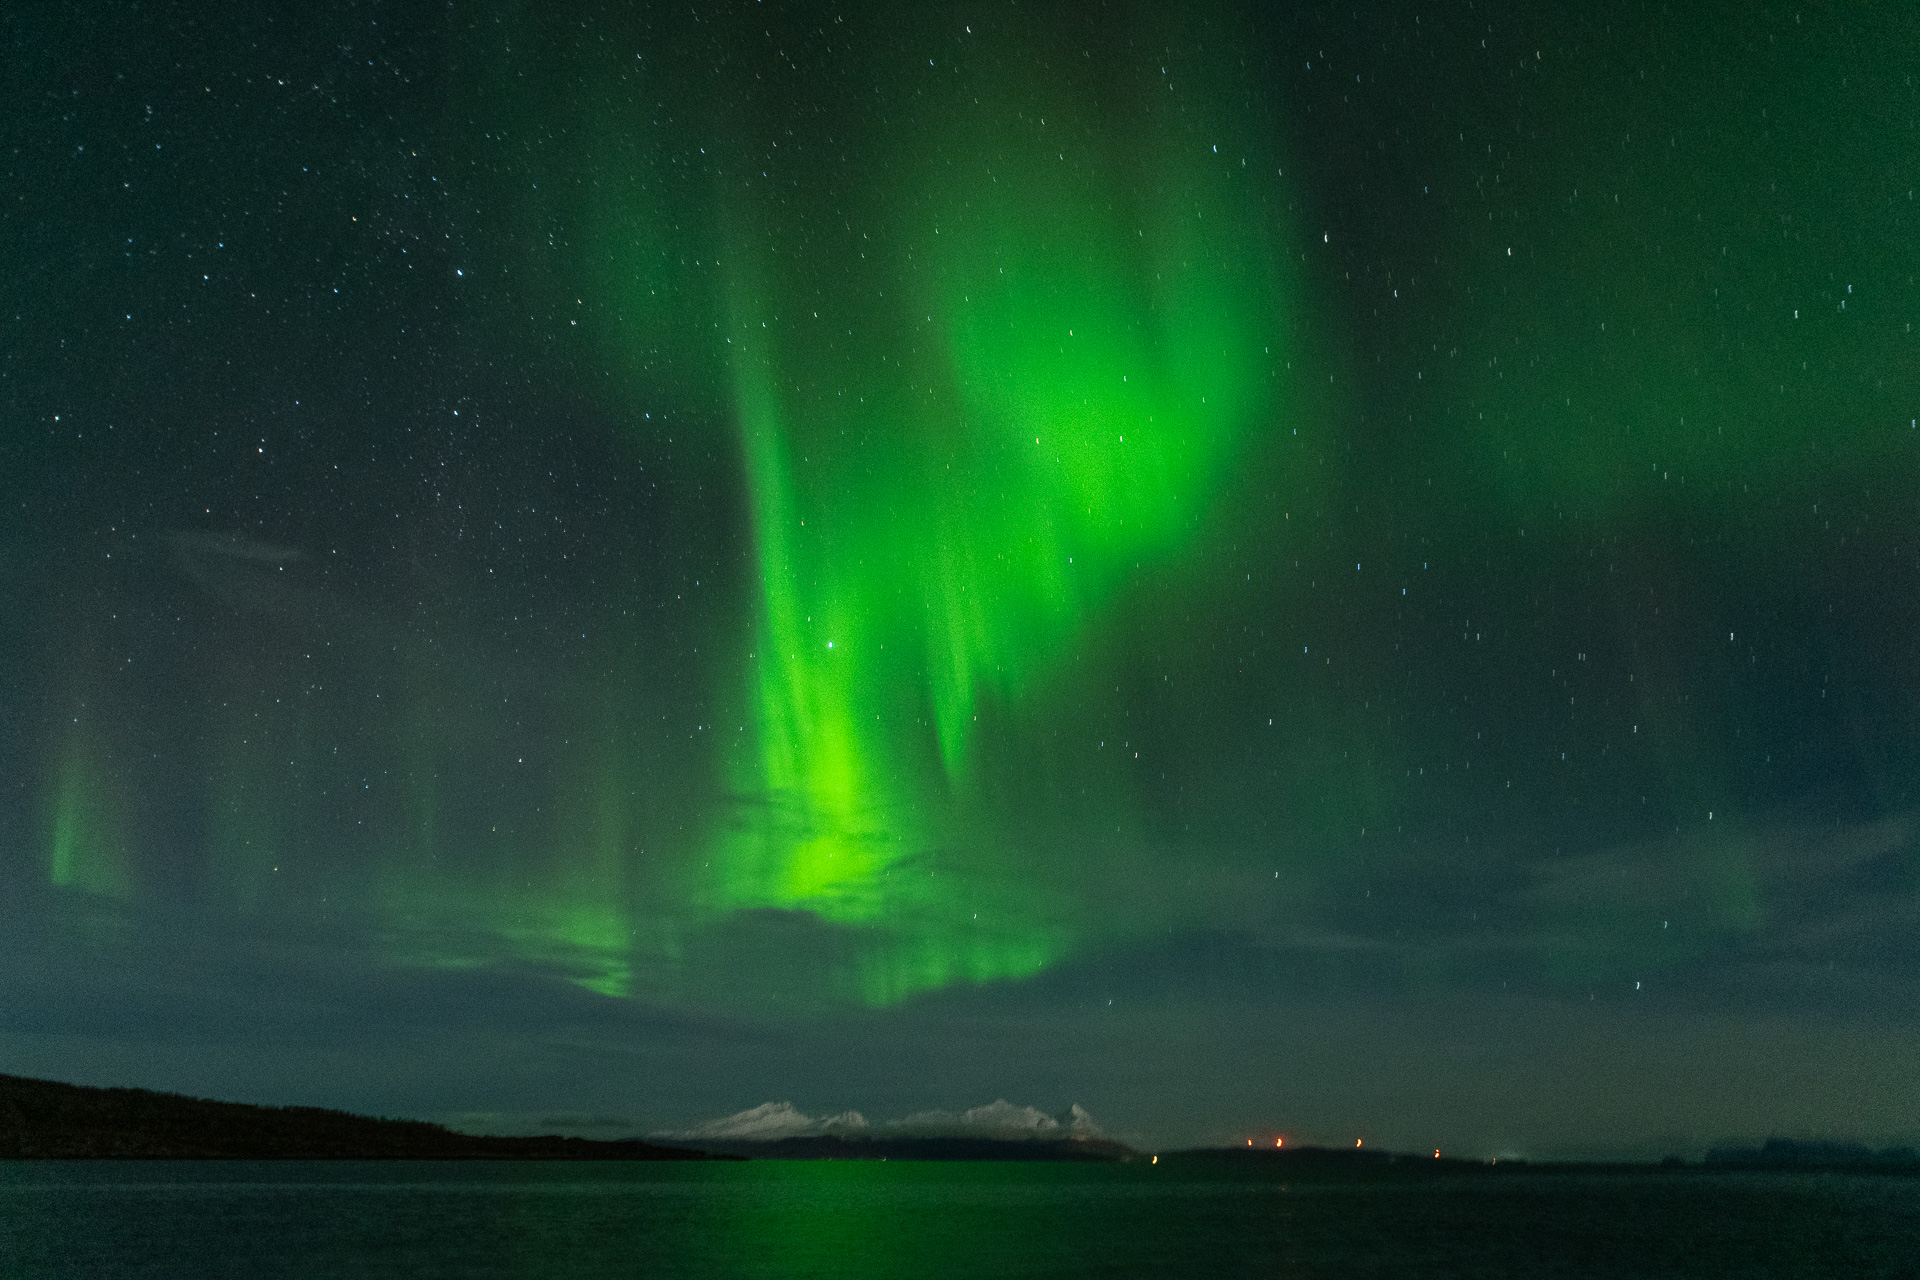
x: 1311, y: 1163
x: 42, y: 1119
x: 1793, y: 1153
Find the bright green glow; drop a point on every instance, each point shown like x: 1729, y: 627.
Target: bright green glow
x: 951, y: 475
x: 817, y: 842
x: 893, y: 552
x: 982, y: 378
x: 1106, y: 366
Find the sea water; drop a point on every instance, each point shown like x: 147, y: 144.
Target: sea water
x: 870, y: 1219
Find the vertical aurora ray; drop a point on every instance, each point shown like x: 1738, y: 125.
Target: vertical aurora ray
x: 816, y: 840
x: 983, y: 344
x: 1018, y: 380
x: 984, y: 347
x: 86, y: 838
x: 627, y: 555
x: 1109, y: 337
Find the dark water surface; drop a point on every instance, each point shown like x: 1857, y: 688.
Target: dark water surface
x: 855, y: 1219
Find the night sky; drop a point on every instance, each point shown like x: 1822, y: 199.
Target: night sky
x: 1259, y: 569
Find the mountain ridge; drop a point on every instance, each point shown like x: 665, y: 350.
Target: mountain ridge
x: 49, y: 1120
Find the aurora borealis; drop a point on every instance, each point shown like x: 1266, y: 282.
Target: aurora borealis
x: 1247, y: 566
